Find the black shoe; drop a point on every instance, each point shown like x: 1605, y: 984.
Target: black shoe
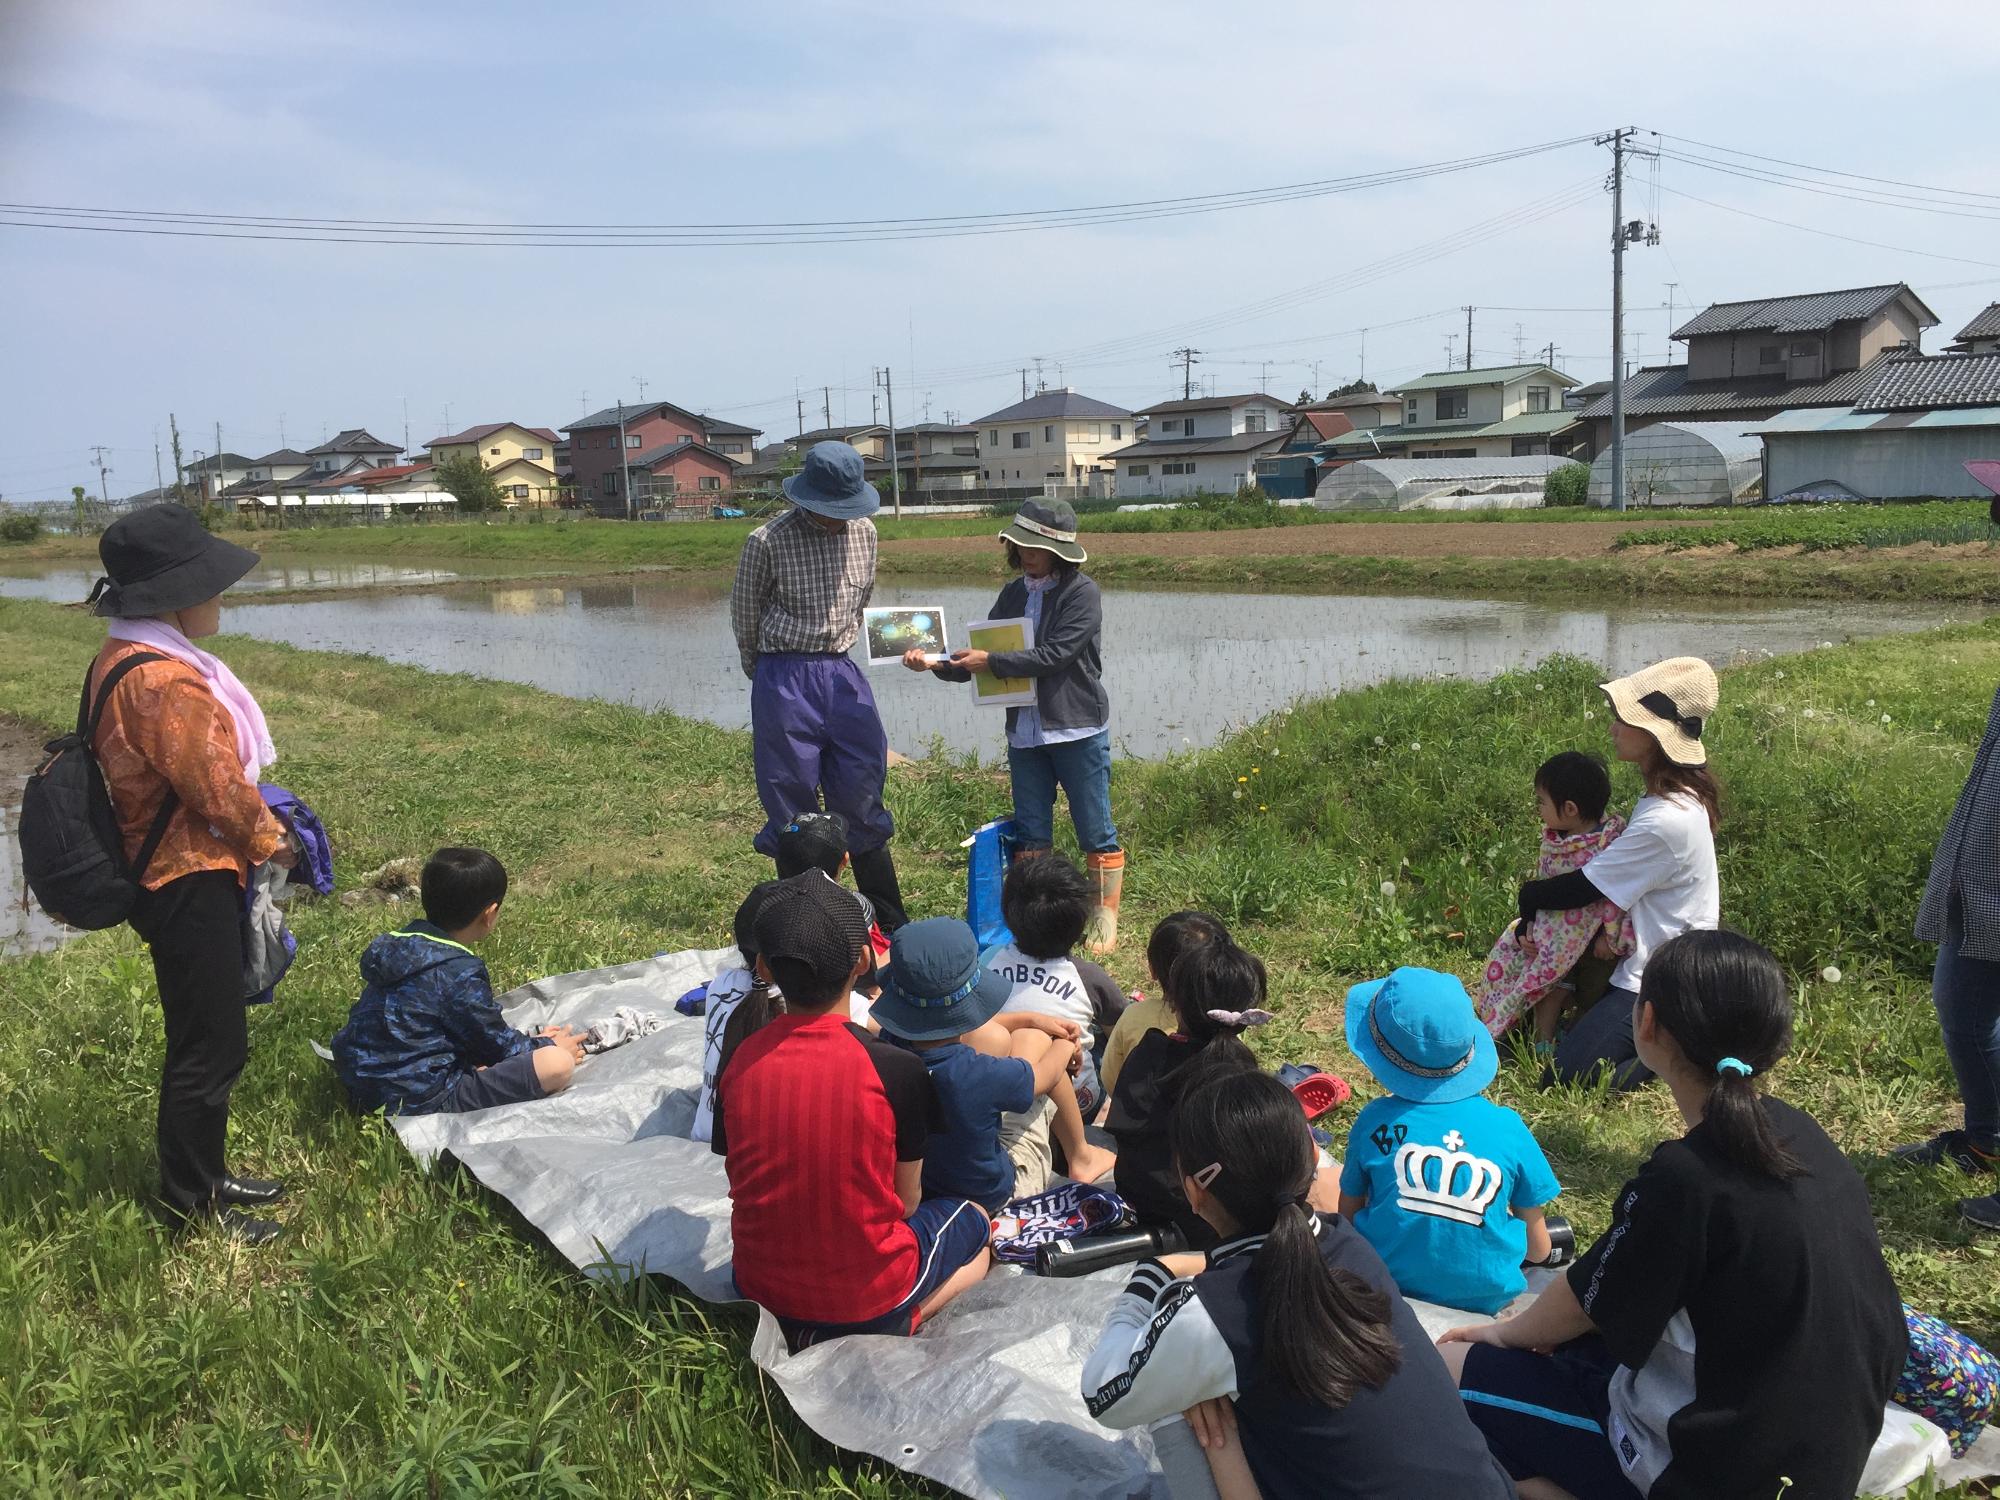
x: 249, y: 1192
x: 1983, y: 1212
x: 1948, y: 1148
x: 245, y: 1230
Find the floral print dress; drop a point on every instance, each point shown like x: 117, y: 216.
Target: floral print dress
x: 1517, y: 974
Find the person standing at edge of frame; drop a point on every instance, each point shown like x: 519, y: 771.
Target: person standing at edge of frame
x: 1065, y: 738
x: 801, y: 584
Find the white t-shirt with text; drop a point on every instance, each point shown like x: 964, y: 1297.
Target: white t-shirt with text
x: 1661, y: 870
x: 1046, y: 986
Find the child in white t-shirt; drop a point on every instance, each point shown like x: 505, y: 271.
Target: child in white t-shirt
x: 734, y: 995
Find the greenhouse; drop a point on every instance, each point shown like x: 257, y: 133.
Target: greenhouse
x: 1436, y: 483
x: 1683, y: 463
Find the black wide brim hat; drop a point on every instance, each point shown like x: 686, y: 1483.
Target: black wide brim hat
x: 160, y: 559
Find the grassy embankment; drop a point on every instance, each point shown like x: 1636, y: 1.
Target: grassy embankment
x: 409, y: 1339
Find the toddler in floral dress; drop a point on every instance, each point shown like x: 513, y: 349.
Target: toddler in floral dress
x: 1529, y: 972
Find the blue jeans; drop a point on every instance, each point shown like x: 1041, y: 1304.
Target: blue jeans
x: 1082, y: 768
x: 1966, y: 992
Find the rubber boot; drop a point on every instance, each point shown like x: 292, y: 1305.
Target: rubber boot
x: 1107, y: 873
x: 875, y: 878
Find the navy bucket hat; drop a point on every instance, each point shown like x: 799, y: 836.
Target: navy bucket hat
x: 935, y: 987
x: 1420, y: 1036
x: 833, y: 483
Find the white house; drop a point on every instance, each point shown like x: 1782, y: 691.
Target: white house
x: 353, y: 449
x: 1054, y: 437
x: 1206, y: 445
x: 1502, y: 411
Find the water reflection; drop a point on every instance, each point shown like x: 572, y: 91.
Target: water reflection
x: 71, y: 584
x: 1182, y: 667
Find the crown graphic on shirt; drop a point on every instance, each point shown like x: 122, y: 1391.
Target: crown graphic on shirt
x: 1446, y: 1183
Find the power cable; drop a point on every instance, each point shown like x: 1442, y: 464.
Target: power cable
x: 1833, y: 171
x: 1828, y: 233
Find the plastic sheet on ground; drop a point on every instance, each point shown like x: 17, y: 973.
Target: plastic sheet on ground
x: 985, y: 1399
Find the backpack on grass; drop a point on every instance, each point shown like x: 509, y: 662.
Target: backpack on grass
x: 71, y: 849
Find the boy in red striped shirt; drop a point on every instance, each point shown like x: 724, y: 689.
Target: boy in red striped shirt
x: 822, y: 1128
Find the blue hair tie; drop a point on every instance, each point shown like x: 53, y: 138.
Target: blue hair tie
x: 1735, y: 1065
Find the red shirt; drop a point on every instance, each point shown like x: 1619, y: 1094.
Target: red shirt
x: 811, y: 1116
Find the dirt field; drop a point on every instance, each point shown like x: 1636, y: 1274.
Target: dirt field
x: 1345, y: 539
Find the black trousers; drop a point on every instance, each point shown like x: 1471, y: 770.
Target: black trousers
x: 194, y: 927
x: 1602, y: 1038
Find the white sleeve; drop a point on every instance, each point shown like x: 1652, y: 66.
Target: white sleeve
x: 1159, y: 1354
x: 1638, y: 860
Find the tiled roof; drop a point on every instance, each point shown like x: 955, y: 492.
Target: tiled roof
x: 1527, y: 424
x: 1236, y: 442
x: 1358, y: 398
x: 837, y: 434
x: 1211, y: 403
x: 1927, y: 381
x: 653, y: 455
x: 355, y: 440
x: 1045, y: 405
x: 1445, y: 380
x: 1984, y: 326
x: 1666, y: 391
x: 485, y: 430
x: 1809, y: 312
x: 283, y: 456
x: 225, y: 460
x: 608, y: 417
x: 719, y: 428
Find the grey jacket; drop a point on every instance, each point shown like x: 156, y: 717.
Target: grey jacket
x: 1065, y: 660
x: 1966, y: 867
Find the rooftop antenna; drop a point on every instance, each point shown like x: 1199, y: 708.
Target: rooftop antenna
x: 1450, y: 350
x: 1672, y: 287
x: 640, y: 380
x: 1520, y: 345
x: 1040, y: 384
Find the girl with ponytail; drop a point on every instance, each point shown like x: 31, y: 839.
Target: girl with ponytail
x: 1735, y: 1331
x: 1287, y: 1345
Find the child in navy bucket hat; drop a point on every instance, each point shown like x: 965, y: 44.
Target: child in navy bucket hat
x: 1445, y: 1184
x: 939, y: 1000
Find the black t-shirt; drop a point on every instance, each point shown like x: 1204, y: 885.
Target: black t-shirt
x: 1155, y: 1075
x: 1760, y: 1331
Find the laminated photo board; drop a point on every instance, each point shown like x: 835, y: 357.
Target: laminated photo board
x: 996, y: 636
x: 892, y: 629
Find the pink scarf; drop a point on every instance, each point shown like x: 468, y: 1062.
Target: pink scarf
x: 253, y: 735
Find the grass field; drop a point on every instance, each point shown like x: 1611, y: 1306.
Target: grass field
x: 407, y: 1339
x: 1827, y: 528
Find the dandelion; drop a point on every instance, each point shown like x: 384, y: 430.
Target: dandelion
x: 1242, y: 779
x: 1416, y: 745
x: 1256, y: 770
x: 1826, y: 645
x: 1830, y: 974
x: 1781, y: 674
x: 1778, y: 708
x: 1237, y: 795
x: 1538, y: 687
x: 1389, y: 889
x: 1808, y: 713
x: 1590, y: 713
x: 1380, y: 741
x: 1263, y: 807
x: 1871, y: 703
x: 1887, y: 720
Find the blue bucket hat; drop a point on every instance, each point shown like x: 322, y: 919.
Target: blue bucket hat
x: 1420, y: 1037
x: 935, y: 987
x: 833, y: 483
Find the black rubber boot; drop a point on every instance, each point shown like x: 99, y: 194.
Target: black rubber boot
x: 875, y: 878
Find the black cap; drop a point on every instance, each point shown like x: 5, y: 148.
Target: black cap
x: 744, y: 930
x: 812, y: 841
x: 160, y: 559
x: 812, y: 921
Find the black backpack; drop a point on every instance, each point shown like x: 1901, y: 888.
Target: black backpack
x: 71, y: 849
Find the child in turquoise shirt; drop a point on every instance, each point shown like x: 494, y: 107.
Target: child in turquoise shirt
x: 1445, y: 1184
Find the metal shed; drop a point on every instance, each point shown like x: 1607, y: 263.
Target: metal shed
x: 1437, y: 483
x: 1881, y: 455
x: 1682, y: 463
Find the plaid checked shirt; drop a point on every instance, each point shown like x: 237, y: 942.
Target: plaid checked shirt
x: 1967, y: 863
x: 800, y: 587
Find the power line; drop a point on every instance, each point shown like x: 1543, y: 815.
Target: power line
x: 1828, y: 233
x: 1834, y: 190
x: 1833, y: 171
x: 184, y: 223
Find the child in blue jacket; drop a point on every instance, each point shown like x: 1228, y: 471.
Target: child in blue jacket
x: 426, y: 1036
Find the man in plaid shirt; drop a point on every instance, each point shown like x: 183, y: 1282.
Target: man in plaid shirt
x: 801, y: 584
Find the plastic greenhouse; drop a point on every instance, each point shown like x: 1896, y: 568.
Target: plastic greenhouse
x: 1436, y: 483
x: 1683, y: 463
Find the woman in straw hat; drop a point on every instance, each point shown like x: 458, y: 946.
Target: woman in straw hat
x: 1660, y: 870
x: 181, y: 742
x: 1065, y: 739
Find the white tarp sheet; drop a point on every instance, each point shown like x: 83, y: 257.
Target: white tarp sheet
x: 985, y: 1399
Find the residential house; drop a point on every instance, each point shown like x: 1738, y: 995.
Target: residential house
x: 1981, y: 335
x: 1501, y: 411
x: 1364, y: 409
x: 349, y: 450
x: 598, y: 463
x: 211, y: 475
x: 389, y: 479
x: 1292, y: 471
x: 1908, y: 433
x: 869, y: 439
x: 933, y: 456
x: 1208, y: 444
x: 682, y: 476
x: 1752, y: 360
x: 1053, y: 437
x: 520, y: 459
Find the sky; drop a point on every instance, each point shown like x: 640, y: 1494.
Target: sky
x: 695, y: 113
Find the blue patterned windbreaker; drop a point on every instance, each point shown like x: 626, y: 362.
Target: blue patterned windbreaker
x: 425, y: 1018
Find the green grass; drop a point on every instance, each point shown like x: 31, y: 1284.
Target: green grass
x: 411, y: 1338
x: 1829, y: 528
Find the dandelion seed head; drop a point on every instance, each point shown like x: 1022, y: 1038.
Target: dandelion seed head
x: 1389, y: 889
x: 1830, y: 974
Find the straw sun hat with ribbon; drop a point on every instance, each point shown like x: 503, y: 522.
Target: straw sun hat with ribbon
x: 1671, y: 700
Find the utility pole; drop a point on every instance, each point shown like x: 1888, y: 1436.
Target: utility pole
x: 1621, y: 232
x: 180, y: 481
x: 624, y: 464
x: 1364, y: 355
x: 218, y: 463
x: 1316, y: 393
x: 1468, y: 338
x: 103, y: 484
x: 875, y: 404
x: 406, y: 428
x: 895, y: 460
x: 159, y: 480
x: 1549, y: 355
x: 1186, y: 359
x: 826, y: 405
x: 1024, y: 382
x: 800, y: 402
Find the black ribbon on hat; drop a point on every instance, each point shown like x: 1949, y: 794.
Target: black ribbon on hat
x: 103, y: 587
x: 1661, y: 706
